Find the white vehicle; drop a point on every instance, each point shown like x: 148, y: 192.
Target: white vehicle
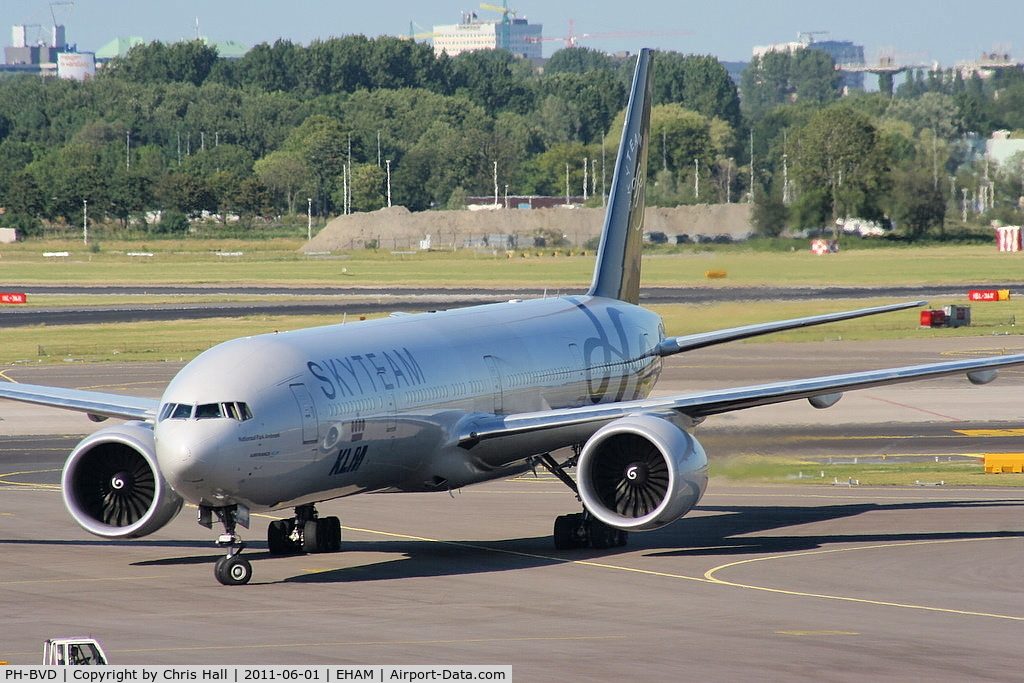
x: 75, y: 651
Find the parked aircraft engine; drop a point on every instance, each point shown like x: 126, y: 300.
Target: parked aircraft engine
x: 641, y: 473
x: 113, y: 487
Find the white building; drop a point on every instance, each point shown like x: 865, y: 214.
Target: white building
x: 518, y: 36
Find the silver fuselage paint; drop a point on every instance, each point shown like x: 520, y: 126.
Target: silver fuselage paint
x: 374, y: 405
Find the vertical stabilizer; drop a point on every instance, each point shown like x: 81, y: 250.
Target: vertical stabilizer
x: 617, y: 274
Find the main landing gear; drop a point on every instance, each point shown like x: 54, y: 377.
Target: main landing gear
x: 580, y: 530
x: 304, y: 533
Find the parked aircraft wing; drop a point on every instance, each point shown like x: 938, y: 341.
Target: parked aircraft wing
x: 95, y: 403
x: 823, y: 391
x: 690, y: 342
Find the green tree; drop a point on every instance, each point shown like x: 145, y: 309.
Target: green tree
x: 770, y: 215
x: 578, y: 60
x: 182, y: 62
x: 765, y: 83
x: 915, y: 204
x: 368, y: 188
x: 813, y: 76
x: 185, y: 193
x: 287, y: 175
x: 700, y: 83
x: 486, y: 78
x: 837, y: 151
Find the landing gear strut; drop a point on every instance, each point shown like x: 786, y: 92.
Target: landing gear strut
x: 304, y: 533
x: 232, y: 569
x: 580, y: 530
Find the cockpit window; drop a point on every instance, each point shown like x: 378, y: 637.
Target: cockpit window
x: 235, y: 410
x: 205, y: 411
x: 182, y: 411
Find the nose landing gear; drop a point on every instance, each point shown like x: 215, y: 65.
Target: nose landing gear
x: 232, y: 569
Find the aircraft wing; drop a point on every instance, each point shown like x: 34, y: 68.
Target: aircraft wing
x: 690, y: 342
x: 95, y: 403
x: 822, y: 391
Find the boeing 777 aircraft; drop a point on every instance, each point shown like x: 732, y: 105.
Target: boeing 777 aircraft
x: 433, y: 402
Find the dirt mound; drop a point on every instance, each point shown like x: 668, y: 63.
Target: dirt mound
x: 400, y: 229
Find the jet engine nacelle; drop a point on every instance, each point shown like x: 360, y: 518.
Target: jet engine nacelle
x: 641, y: 472
x: 113, y: 487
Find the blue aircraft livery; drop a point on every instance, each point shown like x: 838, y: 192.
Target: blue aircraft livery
x: 367, y: 373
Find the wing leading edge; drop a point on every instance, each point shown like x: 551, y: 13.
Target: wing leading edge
x: 690, y: 342
x: 702, y: 404
x: 95, y: 403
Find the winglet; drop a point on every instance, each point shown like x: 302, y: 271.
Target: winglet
x: 617, y: 274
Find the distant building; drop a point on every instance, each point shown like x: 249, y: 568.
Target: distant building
x: 1001, y: 147
x: 518, y: 36
x: 30, y: 52
x: 118, y: 47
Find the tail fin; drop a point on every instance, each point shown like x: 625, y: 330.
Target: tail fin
x: 617, y: 274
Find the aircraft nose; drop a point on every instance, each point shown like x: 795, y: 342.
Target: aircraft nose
x: 180, y: 456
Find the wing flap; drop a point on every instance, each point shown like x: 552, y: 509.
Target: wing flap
x: 91, y: 402
x: 705, y: 403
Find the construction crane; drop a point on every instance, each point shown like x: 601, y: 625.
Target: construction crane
x: 506, y: 23
x: 53, y: 14
x: 417, y: 32
x: 807, y: 37
x: 573, y: 38
x: 505, y: 11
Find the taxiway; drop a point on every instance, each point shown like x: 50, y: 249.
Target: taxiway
x: 766, y: 582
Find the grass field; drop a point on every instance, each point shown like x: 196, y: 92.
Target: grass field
x: 889, y: 473
x: 278, y: 262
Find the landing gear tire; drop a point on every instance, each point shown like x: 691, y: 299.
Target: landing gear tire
x: 279, y: 540
x: 565, y: 532
x: 333, y: 533
x: 580, y: 530
x: 601, y: 535
x: 321, y: 535
x: 233, y: 570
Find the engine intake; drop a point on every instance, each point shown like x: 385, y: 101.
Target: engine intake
x: 641, y: 472
x: 113, y: 487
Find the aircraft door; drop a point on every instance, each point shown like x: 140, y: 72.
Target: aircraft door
x: 578, y: 376
x: 492, y: 366
x: 307, y: 409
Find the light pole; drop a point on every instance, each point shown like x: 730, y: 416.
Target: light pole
x: 388, y: 162
x: 85, y: 221
x: 696, y: 179
x: 584, y: 179
x: 728, y: 183
x: 309, y: 219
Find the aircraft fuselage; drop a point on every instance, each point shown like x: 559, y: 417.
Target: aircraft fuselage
x: 288, y: 418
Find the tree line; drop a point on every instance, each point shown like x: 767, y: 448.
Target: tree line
x: 341, y: 124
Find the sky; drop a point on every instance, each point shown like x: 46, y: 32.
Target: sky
x: 914, y: 30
